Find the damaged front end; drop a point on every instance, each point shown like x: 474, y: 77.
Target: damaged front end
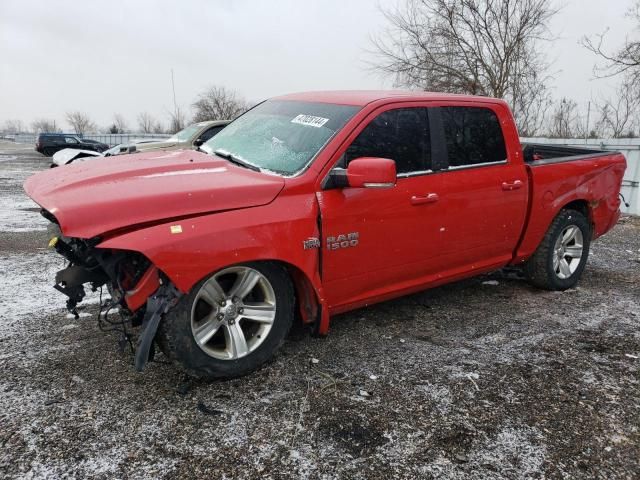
x: 136, y: 287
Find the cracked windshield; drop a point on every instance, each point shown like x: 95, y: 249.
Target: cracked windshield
x: 281, y: 136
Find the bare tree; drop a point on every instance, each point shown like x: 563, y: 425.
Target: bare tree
x: 218, y: 103
x: 564, y: 119
x: 44, y: 125
x: 80, y: 122
x: 479, y: 47
x: 624, y: 61
x: 157, y: 127
x: 145, y: 122
x: 617, y: 116
x: 13, y: 126
x: 120, y: 123
x: 177, y: 120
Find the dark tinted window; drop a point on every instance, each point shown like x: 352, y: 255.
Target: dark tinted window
x: 473, y: 136
x: 212, y: 132
x: 401, y: 135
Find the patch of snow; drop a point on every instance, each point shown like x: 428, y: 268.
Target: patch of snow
x: 71, y: 315
x: 26, y: 288
x: 440, y: 395
x: 195, y: 171
x: 20, y: 214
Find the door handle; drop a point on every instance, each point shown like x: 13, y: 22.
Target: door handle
x: 429, y: 198
x: 515, y: 185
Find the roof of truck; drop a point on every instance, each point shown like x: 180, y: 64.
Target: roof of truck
x: 363, y: 97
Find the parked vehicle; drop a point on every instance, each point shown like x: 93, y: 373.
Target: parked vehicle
x: 50, y: 143
x: 70, y: 155
x: 321, y: 203
x: 189, y: 138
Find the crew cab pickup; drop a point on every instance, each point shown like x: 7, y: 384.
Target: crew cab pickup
x: 313, y: 204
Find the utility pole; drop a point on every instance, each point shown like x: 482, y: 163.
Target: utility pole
x: 586, y: 130
x: 173, y: 87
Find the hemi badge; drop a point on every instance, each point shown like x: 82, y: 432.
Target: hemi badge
x: 176, y: 228
x: 311, y: 242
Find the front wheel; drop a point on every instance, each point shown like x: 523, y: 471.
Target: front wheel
x: 231, y: 323
x: 562, y: 255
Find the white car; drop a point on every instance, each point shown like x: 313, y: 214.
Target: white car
x: 69, y: 155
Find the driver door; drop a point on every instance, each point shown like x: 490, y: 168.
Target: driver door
x: 375, y: 240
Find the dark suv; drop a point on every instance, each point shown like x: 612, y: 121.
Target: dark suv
x: 50, y: 143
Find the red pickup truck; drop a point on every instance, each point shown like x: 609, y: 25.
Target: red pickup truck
x: 313, y: 204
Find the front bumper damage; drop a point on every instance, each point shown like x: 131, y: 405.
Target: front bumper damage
x: 140, y: 291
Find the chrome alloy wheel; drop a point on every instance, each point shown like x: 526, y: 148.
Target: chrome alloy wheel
x: 567, y: 252
x: 233, y: 313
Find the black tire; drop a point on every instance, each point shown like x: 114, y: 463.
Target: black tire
x: 539, y: 269
x: 176, y: 340
x: 48, y: 152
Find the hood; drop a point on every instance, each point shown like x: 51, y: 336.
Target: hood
x: 66, y: 155
x: 92, y: 198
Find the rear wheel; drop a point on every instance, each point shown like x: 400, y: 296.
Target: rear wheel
x: 562, y: 255
x: 230, y: 323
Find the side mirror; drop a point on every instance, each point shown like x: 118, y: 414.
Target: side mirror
x: 197, y: 142
x: 371, y: 172
x: 132, y: 149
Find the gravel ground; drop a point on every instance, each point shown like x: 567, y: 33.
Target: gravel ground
x: 486, y: 378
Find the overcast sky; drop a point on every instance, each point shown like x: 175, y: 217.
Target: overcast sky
x: 106, y: 57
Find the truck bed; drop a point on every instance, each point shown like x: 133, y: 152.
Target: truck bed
x: 537, y: 153
x: 586, y: 179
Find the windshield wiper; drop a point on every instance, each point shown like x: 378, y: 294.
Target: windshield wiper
x: 237, y: 160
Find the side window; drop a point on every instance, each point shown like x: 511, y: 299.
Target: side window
x: 401, y: 135
x: 70, y: 140
x: 210, y: 133
x: 473, y: 135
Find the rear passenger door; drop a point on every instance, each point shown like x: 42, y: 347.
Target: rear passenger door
x: 485, y: 195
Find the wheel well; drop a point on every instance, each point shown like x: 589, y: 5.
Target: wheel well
x: 579, y: 205
x: 306, y: 297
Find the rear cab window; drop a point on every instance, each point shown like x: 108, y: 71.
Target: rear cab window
x: 473, y: 136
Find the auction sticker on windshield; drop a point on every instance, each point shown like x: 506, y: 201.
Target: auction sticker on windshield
x: 310, y: 120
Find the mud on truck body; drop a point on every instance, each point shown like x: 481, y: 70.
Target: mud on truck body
x: 313, y: 204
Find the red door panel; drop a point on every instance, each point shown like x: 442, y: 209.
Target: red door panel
x: 399, y: 237
x: 484, y: 219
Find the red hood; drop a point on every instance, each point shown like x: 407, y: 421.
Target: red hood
x: 92, y: 198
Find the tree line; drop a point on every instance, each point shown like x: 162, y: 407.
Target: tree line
x: 214, y: 103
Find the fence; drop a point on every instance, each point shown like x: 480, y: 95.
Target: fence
x: 108, y: 138
x: 629, y: 147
